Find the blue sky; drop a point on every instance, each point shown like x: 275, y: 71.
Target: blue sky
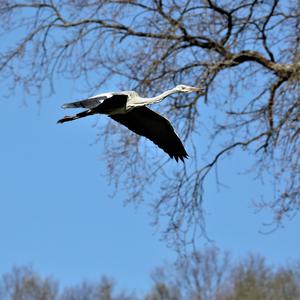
x: 57, y: 213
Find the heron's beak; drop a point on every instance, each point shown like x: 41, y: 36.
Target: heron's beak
x: 195, y: 89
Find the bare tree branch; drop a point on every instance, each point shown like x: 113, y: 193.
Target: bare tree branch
x: 244, y: 53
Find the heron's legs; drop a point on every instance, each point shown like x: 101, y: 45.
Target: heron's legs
x: 77, y: 116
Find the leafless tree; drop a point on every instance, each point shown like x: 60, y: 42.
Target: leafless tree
x: 252, y: 278
x: 245, y: 53
x: 202, y: 275
x: 211, y: 275
x: 25, y: 284
x: 102, y: 290
x: 208, y: 274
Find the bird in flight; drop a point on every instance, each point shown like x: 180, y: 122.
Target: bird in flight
x: 129, y: 109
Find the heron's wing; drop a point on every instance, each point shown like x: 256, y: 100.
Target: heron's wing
x: 145, y: 122
x: 107, y: 100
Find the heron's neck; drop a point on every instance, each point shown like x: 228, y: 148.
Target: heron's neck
x: 158, y: 98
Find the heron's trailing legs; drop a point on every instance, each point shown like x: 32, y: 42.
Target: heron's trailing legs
x: 77, y: 116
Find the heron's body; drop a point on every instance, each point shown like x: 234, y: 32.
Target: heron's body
x: 129, y: 109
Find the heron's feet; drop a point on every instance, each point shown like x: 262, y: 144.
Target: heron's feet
x: 67, y: 119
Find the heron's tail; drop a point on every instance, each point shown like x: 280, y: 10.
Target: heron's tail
x: 77, y: 116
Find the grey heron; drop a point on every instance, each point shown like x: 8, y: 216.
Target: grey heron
x: 129, y: 109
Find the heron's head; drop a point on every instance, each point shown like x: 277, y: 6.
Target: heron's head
x: 187, y: 89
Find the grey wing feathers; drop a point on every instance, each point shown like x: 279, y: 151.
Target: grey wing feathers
x: 145, y: 122
x: 89, y: 103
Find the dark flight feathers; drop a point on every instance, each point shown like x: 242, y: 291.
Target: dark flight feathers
x: 87, y: 103
x: 144, y: 121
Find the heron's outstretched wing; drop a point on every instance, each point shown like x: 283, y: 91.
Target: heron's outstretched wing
x: 89, y: 103
x: 103, y: 103
x: 145, y: 122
